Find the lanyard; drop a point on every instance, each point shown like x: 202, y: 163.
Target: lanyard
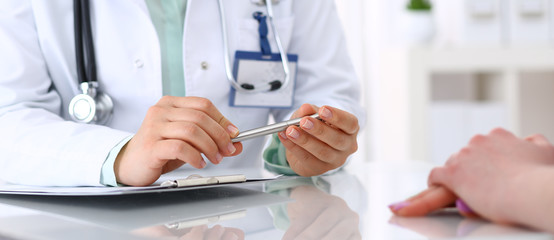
x: 249, y: 88
x: 262, y: 30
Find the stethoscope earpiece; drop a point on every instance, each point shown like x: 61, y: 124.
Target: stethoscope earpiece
x: 93, y: 106
x: 272, y: 86
x: 248, y: 87
x: 275, y: 85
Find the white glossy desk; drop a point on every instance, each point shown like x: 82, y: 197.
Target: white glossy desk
x: 350, y: 204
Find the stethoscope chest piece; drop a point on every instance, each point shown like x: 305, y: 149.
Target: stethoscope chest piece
x: 91, y: 106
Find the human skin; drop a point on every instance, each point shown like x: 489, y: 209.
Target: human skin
x: 316, y: 147
x: 175, y: 131
x: 178, y: 130
x: 216, y: 232
x: 501, y: 178
x: 318, y: 215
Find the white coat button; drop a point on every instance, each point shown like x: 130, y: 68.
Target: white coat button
x: 139, y: 63
x: 204, y: 65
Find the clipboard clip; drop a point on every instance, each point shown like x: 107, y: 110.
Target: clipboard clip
x: 197, y: 180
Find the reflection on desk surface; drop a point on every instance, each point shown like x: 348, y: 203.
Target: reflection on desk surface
x: 389, y: 182
x: 449, y: 224
x: 285, y: 209
x: 345, y: 205
x: 129, y: 212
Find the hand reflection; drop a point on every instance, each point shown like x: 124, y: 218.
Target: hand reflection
x: 216, y: 232
x: 318, y: 215
x: 452, y: 225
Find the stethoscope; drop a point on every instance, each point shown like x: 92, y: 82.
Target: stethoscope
x: 91, y: 106
x: 247, y: 87
x: 94, y: 106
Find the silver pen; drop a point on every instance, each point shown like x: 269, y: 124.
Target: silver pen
x: 269, y: 129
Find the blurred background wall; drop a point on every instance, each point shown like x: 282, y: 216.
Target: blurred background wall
x: 434, y: 76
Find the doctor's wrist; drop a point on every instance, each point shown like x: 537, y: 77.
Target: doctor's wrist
x: 117, y: 163
x: 107, y: 174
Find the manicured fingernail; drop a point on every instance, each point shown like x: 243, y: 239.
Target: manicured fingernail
x: 326, y: 113
x: 283, y: 135
x: 202, y: 164
x: 232, y: 130
x: 399, y: 205
x: 231, y: 148
x: 307, y: 124
x: 218, y: 158
x: 293, y: 134
x: 463, y: 207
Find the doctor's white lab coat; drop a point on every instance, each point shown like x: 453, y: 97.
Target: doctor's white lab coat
x: 39, y: 145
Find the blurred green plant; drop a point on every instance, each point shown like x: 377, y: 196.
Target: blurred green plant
x: 419, y: 5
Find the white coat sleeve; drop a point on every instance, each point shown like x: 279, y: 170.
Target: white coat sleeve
x: 37, y: 146
x: 325, y: 73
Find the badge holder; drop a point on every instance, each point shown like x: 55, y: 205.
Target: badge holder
x: 254, y: 69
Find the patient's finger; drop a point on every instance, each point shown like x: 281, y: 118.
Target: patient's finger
x: 538, y: 139
x: 427, y: 201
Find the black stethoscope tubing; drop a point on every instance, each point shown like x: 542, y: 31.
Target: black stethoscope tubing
x: 92, y: 106
x: 86, y: 69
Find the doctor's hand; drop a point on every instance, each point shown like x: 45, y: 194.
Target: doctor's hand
x: 318, y: 215
x: 319, y: 146
x: 175, y: 131
x: 216, y: 232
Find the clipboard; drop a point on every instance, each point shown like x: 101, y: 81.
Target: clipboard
x: 197, y: 180
x: 191, y: 182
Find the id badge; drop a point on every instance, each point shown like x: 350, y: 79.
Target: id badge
x: 257, y: 69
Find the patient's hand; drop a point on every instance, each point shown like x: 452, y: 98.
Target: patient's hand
x: 500, y: 177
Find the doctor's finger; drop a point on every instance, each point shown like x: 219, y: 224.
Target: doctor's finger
x: 219, y: 135
x: 204, y: 105
x: 194, y: 136
x: 173, y: 149
x: 302, y: 161
x: 340, y: 119
x: 314, y: 146
x: 326, y: 220
x: 345, y: 229
x: 305, y: 110
x: 333, y: 137
x: 172, y: 165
